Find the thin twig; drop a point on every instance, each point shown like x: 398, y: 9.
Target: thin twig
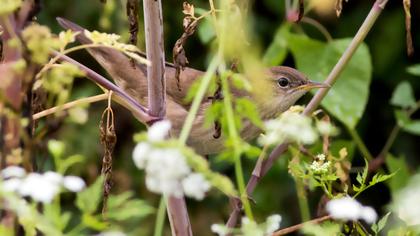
x: 69, y: 105
x: 261, y: 169
x: 294, y: 228
x: 140, y: 112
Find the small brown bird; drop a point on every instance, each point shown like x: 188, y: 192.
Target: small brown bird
x: 287, y: 85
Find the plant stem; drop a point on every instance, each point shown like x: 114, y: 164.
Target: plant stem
x: 69, y: 105
x: 234, y: 136
x: 160, y: 217
x: 360, y: 144
x: 205, y: 81
x: 140, y: 112
x: 294, y: 228
x: 261, y: 169
x: 303, y: 200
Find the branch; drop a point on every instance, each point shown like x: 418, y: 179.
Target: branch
x: 153, y: 25
x: 263, y: 166
x: 294, y: 228
x: 140, y: 112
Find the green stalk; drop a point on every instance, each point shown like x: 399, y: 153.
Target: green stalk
x: 302, y: 200
x: 160, y: 217
x: 204, y: 84
x: 360, y: 144
x: 234, y: 136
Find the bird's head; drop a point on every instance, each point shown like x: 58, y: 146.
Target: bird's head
x: 288, y: 85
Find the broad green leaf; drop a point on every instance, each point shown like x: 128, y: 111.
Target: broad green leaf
x: 403, y: 95
x: 88, y: 200
x: 123, y: 207
x: 381, y: 223
x: 414, y: 69
x: 408, y: 125
x: 347, y: 99
x: 277, y: 50
x: 401, y: 178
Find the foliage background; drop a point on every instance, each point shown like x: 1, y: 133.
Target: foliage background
x: 276, y: 193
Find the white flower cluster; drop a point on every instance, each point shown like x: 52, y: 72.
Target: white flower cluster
x: 347, y: 208
x: 320, y: 166
x: 251, y: 228
x: 40, y: 187
x: 167, y: 171
x: 406, y: 203
x: 290, y: 126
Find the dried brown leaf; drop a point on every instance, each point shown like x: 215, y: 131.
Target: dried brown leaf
x: 188, y: 9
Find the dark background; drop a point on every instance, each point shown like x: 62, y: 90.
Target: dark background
x: 276, y: 194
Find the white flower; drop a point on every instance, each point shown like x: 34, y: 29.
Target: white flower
x: 406, y: 200
x: 159, y: 130
x: 74, y: 183
x: 272, y: 223
x: 250, y: 228
x: 319, y: 167
x: 13, y: 171
x: 347, y: 208
x: 195, y: 185
x: 326, y: 128
x: 39, y: 188
x: 140, y: 154
x: 53, y: 177
x: 12, y: 185
x: 321, y: 157
x: 289, y: 126
x: 219, y: 229
x: 165, y: 169
x: 368, y: 214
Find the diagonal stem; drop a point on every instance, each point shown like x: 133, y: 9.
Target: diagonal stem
x: 263, y: 166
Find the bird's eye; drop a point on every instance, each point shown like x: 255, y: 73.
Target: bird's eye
x: 283, y: 82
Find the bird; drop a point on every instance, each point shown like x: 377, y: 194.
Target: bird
x: 287, y: 86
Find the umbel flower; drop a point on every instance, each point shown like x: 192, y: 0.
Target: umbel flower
x: 167, y: 171
x: 39, y: 187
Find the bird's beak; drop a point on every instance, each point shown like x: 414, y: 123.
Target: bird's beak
x: 312, y: 84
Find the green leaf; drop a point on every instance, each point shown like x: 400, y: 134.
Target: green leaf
x: 68, y: 162
x: 88, y: 200
x: 402, y: 177
x: 381, y: 224
x: 414, y: 69
x: 403, y: 96
x: 206, y: 31
x: 123, y: 207
x: 347, y: 99
x: 277, y: 50
x: 408, y: 125
x: 249, y: 110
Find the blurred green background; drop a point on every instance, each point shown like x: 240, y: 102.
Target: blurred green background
x: 276, y: 193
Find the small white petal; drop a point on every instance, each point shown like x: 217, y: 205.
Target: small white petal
x: 219, y: 229
x: 195, y: 186
x: 368, y: 214
x: 53, y: 177
x: 74, y: 183
x: 344, y: 208
x: 13, y: 171
x: 12, y: 185
x: 158, y: 131
x: 40, y: 188
x: 273, y: 223
x: 141, y: 153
